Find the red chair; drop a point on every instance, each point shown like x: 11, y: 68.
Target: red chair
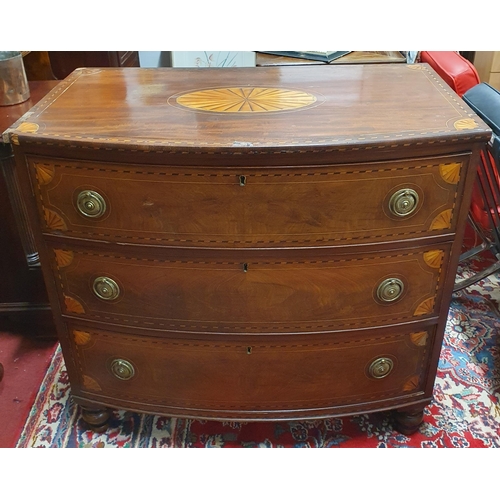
x: 461, y: 75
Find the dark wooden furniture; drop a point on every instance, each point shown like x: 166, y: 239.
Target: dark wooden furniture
x: 355, y: 57
x: 63, y: 63
x: 37, y: 66
x: 23, y: 297
x: 250, y: 244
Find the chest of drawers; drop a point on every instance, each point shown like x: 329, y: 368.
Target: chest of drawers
x: 250, y: 244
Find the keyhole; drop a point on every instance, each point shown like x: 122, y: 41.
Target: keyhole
x: 243, y: 180
x: 249, y: 350
x: 245, y: 267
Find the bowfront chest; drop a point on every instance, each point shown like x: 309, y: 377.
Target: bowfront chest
x: 250, y: 244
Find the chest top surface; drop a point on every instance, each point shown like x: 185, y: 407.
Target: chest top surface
x: 251, y: 107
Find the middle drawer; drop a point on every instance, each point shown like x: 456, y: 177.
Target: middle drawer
x: 251, y: 295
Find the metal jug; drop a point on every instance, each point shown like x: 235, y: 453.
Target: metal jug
x: 14, y: 87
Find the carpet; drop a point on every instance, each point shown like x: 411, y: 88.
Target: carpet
x: 25, y: 359
x: 464, y: 413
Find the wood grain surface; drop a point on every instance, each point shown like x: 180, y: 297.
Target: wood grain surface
x: 237, y: 234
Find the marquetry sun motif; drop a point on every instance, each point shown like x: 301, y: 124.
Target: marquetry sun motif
x: 63, y: 257
x: 450, y: 172
x: 412, y: 383
x: 28, y: 127
x: 465, y: 124
x: 419, y: 338
x: 442, y: 221
x: 54, y: 221
x: 246, y: 100
x: 91, y: 384
x: 45, y: 173
x: 425, y: 307
x: 433, y: 258
x: 81, y: 337
x: 73, y: 306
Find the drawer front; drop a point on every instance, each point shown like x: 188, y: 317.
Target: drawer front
x: 238, y: 208
x: 234, y: 378
x: 254, y: 295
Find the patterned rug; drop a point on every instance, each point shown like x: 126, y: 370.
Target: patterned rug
x: 464, y: 413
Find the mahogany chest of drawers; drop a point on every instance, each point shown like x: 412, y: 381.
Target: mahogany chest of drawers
x: 250, y: 244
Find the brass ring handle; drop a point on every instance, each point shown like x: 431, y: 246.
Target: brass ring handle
x: 122, y: 369
x: 91, y: 204
x: 390, y: 290
x: 403, y: 202
x: 380, y: 368
x: 106, y: 288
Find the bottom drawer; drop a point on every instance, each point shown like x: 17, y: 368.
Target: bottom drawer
x: 254, y: 378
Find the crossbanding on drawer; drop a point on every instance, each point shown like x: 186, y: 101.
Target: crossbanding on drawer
x: 246, y: 208
x: 258, y: 375
x: 249, y: 296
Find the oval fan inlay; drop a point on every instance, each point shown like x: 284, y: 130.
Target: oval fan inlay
x: 91, y: 384
x: 425, y: 307
x: 81, y: 337
x: 465, y: 124
x: 28, y: 127
x: 450, y: 172
x: 54, y: 221
x: 419, y: 338
x: 63, y: 257
x: 245, y: 100
x: 411, y: 384
x: 73, y: 306
x: 433, y: 258
x: 45, y: 173
x: 442, y: 221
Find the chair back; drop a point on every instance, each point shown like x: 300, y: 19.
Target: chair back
x: 459, y: 73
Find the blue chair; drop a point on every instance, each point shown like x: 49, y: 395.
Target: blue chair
x: 485, y: 216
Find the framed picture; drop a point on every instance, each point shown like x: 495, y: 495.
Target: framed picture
x: 314, y: 55
x: 212, y: 59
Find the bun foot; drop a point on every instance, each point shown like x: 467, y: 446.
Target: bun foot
x: 96, y: 418
x: 408, y: 421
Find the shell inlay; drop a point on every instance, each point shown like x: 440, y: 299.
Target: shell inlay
x: 28, y: 127
x: 450, y: 172
x: 433, y: 258
x: 54, y: 221
x: 45, y: 173
x: 63, y: 257
x: 465, y: 124
x: 91, y: 384
x: 425, y: 307
x: 73, y: 306
x: 411, y: 384
x: 245, y: 100
x: 441, y: 221
x: 81, y: 338
x: 419, y: 338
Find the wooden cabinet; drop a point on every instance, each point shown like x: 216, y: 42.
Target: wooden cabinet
x: 23, y: 298
x: 487, y: 64
x: 63, y: 63
x: 250, y: 244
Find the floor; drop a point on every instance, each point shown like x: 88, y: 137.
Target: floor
x: 25, y: 358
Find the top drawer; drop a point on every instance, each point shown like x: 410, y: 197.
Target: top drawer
x: 249, y: 207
